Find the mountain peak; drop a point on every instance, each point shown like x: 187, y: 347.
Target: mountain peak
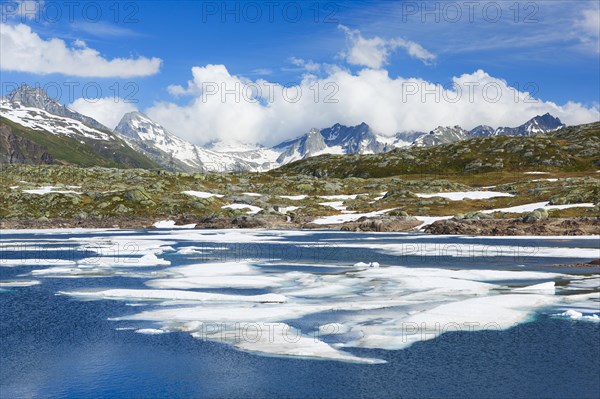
x: 37, y: 97
x: 29, y: 96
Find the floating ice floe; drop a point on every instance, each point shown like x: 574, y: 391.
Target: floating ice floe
x: 191, y: 250
x: 125, y: 261
x: 18, y: 283
x: 548, y: 288
x: 173, y: 295
x: 466, y: 195
x: 575, y: 315
x: 370, y: 264
x: 216, y: 275
x: 35, y: 262
x: 150, y: 331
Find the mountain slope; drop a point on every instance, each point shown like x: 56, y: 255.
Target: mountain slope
x: 23, y: 144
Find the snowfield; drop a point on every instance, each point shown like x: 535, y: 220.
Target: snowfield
x: 466, y: 195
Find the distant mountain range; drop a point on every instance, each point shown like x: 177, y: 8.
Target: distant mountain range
x: 39, y: 121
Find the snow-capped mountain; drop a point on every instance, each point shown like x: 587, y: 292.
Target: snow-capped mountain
x: 482, y: 131
x: 537, y: 125
x: 441, y: 135
x: 358, y: 139
x: 405, y: 139
x: 39, y: 119
x: 337, y: 139
x: 36, y: 97
x: 173, y: 152
x: 309, y: 145
x: 34, y: 109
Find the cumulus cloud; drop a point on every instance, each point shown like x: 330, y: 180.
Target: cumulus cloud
x: 375, y: 52
x: 23, y: 50
x: 228, y: 107
x: 108, y: 110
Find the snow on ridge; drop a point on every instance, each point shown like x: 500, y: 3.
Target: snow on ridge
x: 463, y: 195
x: 39, y: 119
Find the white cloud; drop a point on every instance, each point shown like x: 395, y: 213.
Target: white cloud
x: 588, y: 25
x: 375, y: 52
x: 107, y: 111
x: 23, y: 50
x: 590, y: 21
x: 308, y: 66
x: 388, y: 105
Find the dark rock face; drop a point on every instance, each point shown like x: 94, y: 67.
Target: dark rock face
x: 382, y: 224
x: 441, y: 135
x: 18, y: 150
x: 303, y: 147
x: 354, y: 139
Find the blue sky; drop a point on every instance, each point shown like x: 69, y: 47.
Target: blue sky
x: 547, y: 48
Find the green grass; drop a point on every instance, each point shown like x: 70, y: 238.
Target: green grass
x: 69, y: 150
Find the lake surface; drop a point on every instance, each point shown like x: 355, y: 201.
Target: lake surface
x: 259, y: 313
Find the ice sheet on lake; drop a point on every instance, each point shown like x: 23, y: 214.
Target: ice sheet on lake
x: 174, y: 295
x: 298, y: 310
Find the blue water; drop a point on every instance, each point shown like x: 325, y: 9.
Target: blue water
x: 55, y: 346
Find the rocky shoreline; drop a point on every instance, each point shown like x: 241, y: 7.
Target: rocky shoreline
x: 517, y: 227
x: 484, y: 227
